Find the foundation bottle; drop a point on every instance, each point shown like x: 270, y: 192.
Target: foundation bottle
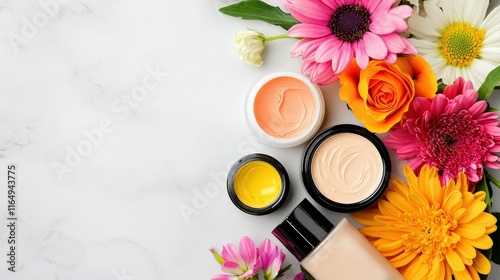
x: 328, y: 252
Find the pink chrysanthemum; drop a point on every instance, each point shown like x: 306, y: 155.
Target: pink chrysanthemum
x: 335, y: 32
x: 452, y: 132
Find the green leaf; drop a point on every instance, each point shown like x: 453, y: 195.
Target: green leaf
x: 491, y: 109
x: 282, y: 272
x: 217, y: 257
x: 489, y: 84
x: 441, y: 86
x: 483, y: 185
x: 306, y: 274
x: 258, y: 10
x: 495, y: 250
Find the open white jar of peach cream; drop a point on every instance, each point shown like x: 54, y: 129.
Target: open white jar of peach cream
x: 285, y: 109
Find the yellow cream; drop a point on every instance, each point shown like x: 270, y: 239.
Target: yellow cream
x: 257, y: 184
x: 285, y: 107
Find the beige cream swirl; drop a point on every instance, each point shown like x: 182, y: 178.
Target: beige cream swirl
x: 347, y: 168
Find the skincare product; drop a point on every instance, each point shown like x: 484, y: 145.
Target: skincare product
x: 327, y: 252
x: 285, y: 109
x: 257, y: 184
x: 346, y: 168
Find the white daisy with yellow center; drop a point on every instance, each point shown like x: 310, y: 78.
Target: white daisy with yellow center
x: 458, y: 39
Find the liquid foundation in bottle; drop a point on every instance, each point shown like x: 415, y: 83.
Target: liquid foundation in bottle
x: 327, y: 252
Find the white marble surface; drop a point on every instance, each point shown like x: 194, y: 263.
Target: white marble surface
x: 78, y: 71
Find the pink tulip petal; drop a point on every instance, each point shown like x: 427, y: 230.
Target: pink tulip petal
x: 254, y: 269
x: 274, y: 269
x: 248, y: 251
x: 266, y: 251
x: 232, y: 268
x: 229, y: 253
x: 224, y: 277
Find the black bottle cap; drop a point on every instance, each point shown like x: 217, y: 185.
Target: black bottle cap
x: 303, y: 229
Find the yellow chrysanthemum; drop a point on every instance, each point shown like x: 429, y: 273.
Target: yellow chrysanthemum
x: 429, y: 231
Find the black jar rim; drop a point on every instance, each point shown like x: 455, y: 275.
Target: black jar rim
x: 285, y: 184
x: 311, y: 187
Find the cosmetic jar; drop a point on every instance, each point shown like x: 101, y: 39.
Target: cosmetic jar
x: 285, y: 109
x: 346, y: 168
x: 325, y: 250
x: 258, y: 184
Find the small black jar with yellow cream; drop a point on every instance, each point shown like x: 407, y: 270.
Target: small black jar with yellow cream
x: 258, y: 184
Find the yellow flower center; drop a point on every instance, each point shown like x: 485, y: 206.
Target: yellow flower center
x: 431, y: 233
x: 461, y: 43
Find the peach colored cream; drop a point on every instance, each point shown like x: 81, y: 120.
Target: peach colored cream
x: 346, y: 254
x: 347, y: 168
x: 285, y: 107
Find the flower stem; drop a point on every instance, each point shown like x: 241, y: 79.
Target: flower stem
x: 493, y: 180
x: 484, y: 185
x: 272, y: 38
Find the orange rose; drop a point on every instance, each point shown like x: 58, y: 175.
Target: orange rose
x: 380, y: 95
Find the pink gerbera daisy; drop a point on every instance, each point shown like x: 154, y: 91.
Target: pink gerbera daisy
x: 452, y: 132
x: 336, y: 31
